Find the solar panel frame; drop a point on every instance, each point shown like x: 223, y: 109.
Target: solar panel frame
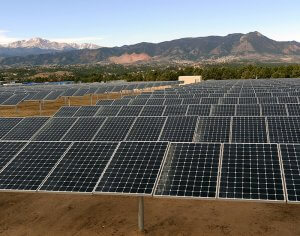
x: 241, y: 165
x: 187, y: 168
x: 85, y: 166
x: 66, y: 111
x: 31, y: 162
x: 116, y: 157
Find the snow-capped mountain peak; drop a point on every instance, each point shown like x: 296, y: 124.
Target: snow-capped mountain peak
x: 50, y: 45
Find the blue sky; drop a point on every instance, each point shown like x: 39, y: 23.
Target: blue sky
x: 119, y: 22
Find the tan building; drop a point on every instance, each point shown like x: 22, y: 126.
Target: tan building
x: 190, y: 79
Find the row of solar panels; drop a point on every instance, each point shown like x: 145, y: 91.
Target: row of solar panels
x: 267, y: 172
x: 181, y: 110
x: 204, y: 100
x: 212, y: 94
x: 173, y: 129
x: 14, y: 98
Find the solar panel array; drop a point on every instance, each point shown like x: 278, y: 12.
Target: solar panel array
x: 235, y: 139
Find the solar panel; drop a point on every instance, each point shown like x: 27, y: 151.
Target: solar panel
x: 105, y: 102
x: 284, y: 129
x: 130, y: 111
x: 15, y: 99
x: 247, y: 100
x: 188, y: 101
x: 210, y: 100
x: 108, y: 111
x: 152, y: 111
x: 40, y: 95
x: 251, y: 172
x: 178, y: 110
x: 121, y: 102
x: 32, y: 165
x: 81, y: 92
x: 190, y: 170
x: 173, y: 101
x: 291, y: 164
x: 84, y: 129
x: 55, y: 129
x: 267, y: 100
x: 66, y: 111
x: 26, y: 128
x: 133, y: 169
x: 222, y: 110
x: 69, y: 92
x: 249, y: 130
x: 199, y: 110
x: 146, y: 129
x: 213, y: 129
x: 114, y: 129
x: 248, y: 110
x: 287, y: 100
x: 6, y: 124
x: 273, y: 110
x: 4, y: 97
x: 8, y: 150
x: 179, y: 129
x: 81, y: 167
x: 139, y: 101
x: 53, y: 95
x: 155, y: 101
x: 293, y: 109
x: 229, y: 100
x: 86, y: 111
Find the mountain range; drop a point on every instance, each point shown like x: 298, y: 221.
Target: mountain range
x: 37, y: 46
x: 235, y: 47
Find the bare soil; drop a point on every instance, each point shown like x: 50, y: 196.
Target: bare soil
x: 50, y: 214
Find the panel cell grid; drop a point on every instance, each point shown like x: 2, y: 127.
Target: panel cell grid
x: 251, y: 172
x: 8, y: 150
x: 291, y: 164
x: 179, y: 110
x: 105, y: 102
x: 86, y: 111
x: 213, y: 129
x: 273, y: 110
x: 121, y: 102
x: 134, y: 168
x: 223, y: 110
x: 138, y: 101
x: 199, y: 110
x: 173, y: 101
x: 81, y: 167
x: 249, y: 130
x: 284, y: 129
x: 55, y: 129
x: 32, y: 165
x: 108, y: 111
x: 293, y: 109
x: 6, y: 124
x: 179, y: 129
x: 26, y: 128
x: 152, y: 111
x: 155, y: 101
x: 130, y: 110
x: 146, y: 129
x: 190, y: 170
x: 114, y: 129
x: 248, y: 110
x: 66, y: 111
x: 84, y: 129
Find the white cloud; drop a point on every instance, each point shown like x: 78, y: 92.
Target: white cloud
x: 5, y: 39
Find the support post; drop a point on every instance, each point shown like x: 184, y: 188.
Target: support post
x: 69, y: 102
x: 141, y: 213
x: 91, y: 99
x: 65, y: 100
x: 17, y: 109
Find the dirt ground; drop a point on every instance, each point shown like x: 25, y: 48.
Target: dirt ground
x: 50, y: 214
